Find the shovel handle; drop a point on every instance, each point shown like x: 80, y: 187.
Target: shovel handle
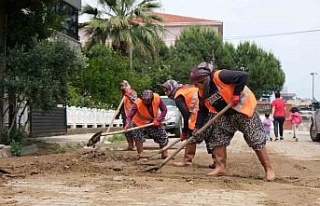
x: 202, y: 129
x: 169, y: 145
x: 113, y: 118
x: 163, y: 149
x: 130, y: 129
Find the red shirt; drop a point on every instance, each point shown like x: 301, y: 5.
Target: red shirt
x: 279, y: 107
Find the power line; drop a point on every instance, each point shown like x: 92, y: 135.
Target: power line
x: 271, y: 35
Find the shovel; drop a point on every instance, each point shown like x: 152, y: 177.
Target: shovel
x: 96, y: 137
x: 126, y: 130
x: 201, y: 130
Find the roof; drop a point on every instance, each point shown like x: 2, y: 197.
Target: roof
x: 170, y: 18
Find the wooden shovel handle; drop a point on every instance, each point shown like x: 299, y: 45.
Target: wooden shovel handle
x: 130, y: 129
x: 163, y: 149
x: 202, y: 129
x: 113, y: 118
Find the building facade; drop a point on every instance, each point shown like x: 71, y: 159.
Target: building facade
x: 174, y: 25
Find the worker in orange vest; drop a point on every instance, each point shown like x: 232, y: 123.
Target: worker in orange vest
x: 130, y: 96
x: 149, y: 108
x: 217, y: 88
x: 187, y: 101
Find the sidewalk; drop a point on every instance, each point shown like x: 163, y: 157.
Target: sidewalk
x: 73, y: 138
x: 83, y: 138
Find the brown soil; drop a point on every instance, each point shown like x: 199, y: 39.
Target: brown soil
x: 108, y: 177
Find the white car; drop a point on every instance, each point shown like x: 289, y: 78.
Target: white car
x: 173, y: 119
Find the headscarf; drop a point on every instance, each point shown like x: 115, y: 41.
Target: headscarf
x: 124, y: 85
x: 171, y: 86
x: 202, y: 73
x: 147, y: 95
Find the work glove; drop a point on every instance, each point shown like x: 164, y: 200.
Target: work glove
x: 235, y: 100
x: 183, y: 136
x: 156, y: 123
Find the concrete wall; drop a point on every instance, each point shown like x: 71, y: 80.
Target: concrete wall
x: 173, y: 31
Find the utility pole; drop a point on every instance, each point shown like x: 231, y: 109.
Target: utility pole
x: 312, y: 74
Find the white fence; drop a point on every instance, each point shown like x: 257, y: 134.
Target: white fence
x: 82, y: 117
x: 79, y: 117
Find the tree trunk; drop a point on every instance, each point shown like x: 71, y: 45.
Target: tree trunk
x: 3, y: 17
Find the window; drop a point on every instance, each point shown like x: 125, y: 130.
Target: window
x: 70, y: 22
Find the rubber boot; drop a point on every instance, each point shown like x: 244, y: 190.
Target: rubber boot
x: 189, y: 154
x: 165, y: 153
x: 220, y: 158
x: 265, y: 162
x: 139, y: 146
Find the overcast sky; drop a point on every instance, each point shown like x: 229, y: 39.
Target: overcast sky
x: 298, y: 53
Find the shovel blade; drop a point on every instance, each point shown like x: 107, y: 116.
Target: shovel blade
x: 152, y: 168
x: 94, y: 139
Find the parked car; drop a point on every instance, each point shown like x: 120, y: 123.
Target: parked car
x: 173, y: 119
x: 315, y: 123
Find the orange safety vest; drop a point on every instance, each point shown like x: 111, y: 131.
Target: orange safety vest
x: 128, y: 103
x: 142, y: 117
x: 247, y: 102
x: 190, y: 94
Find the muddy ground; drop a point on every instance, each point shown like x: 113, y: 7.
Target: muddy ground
x: 109, y: 177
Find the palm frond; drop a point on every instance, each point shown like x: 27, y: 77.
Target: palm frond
x: 126, y: 23
x: 90, y: 10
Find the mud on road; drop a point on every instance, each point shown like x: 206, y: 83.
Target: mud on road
x: 107, y: 177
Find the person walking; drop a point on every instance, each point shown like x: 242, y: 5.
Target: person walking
x: 278, y: 114
x: 295, y: 120
x: 149, y: 108
x: 217, y: 89
x: 267, y: 122
x: 129, y: 96
x: 187, y: 101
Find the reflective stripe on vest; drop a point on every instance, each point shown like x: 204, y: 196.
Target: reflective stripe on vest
x: 143, y: 117
x: 207, y: 104
x: 247, y: 102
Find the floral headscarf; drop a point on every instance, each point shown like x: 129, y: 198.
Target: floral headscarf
x: 171, y: 86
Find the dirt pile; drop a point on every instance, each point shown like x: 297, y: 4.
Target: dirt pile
x: 89, y: 177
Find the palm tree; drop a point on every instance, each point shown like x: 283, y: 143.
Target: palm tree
x: 125, y: 24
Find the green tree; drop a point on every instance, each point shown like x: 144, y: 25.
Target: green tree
x: 26, y: 20
x: 29, y: 19
x: 127, y: 24
x: 194, y: 45
x: 155, y: 66
x: 265, y: 73
x: 38, y: 75
x: 98, y: 85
